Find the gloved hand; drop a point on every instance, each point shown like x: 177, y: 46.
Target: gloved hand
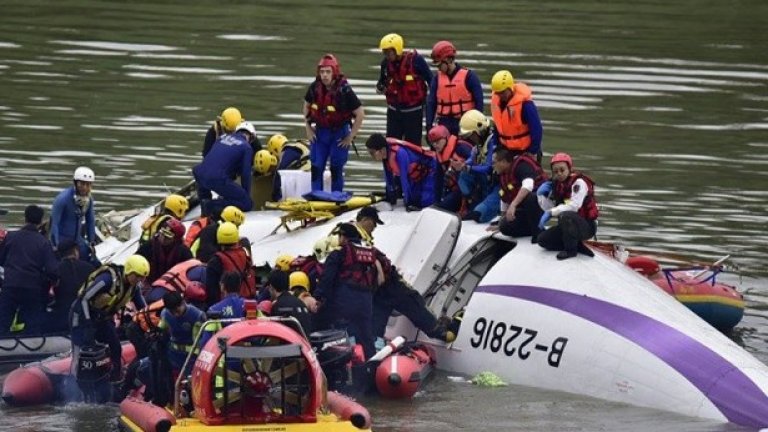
x: 544, y: 219
x: 544, y: 189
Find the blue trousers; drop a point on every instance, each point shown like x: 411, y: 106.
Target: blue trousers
x: 395, y: 294
x: 354, y: 309
x: 30, y: 304
x: 230, y: 193
x: 325, y: 146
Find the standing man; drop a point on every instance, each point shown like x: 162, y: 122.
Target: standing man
x: 224, y: 124
x: 72, y: 214
x: 453, y: 91
x: 330, y: 105
x: 73, y: 272
x: 30, y: 267
x: 518, y: 126
x: 230, y: 156
x: 404, y: 80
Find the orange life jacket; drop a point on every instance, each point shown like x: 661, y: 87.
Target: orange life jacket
x: 148, y: 318
x: 324, y: 109
x: 513, y: 133
x: 562, y: 193
x: 404, y: 86
x: 510, y: 185
x: 453, y: 96
x: 237, y: 259
x: 176, y: 279
x: 194, y: 230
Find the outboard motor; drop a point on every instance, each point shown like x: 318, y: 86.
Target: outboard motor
x: 92, y: 373
x: 334, y: 352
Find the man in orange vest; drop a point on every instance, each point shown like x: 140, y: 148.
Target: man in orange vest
x: 453, y: 91
x: 404, y: 79
x: 518, y: 126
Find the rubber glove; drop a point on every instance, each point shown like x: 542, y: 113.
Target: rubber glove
x: 544, y: 189
x: 544, y: 219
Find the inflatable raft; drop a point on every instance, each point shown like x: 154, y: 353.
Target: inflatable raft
x: 17, y: 350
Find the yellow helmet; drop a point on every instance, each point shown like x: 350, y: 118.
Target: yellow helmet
x: 233, y: 214
x: 392, y: 41
x: 230, y: 118
x: 501, y: 81
x: 227, y: 234
x: 298, y: 279
x: 264, y: 162
x: 473, y: 121
x: 283, y: 262
x: 136, y: 264
x: 275, y: 144
x: 176, y: 204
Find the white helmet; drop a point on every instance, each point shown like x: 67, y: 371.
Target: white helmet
x: 84, y: 174
x: 246, y: 126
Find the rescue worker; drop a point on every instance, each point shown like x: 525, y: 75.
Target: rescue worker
x: 285, y: 304
x: 231, y: 304
x: 264, y: 163
x: 30, y: 267
x: 165, y: 249
x: 569, y: 196
x: 330, y: 105
x: 197, y: 226
x: 231, y: 257
x: 145, y: 325
x: 300, y: 287
x: 519, y: 177
x: 518, y: 126
x: 345, y: 291
x: 186, y: 277
x: 291, y: 155
x: 450, y: 151
x: 107, y: 291
x: 174, y: 206
x: 73, y: 272
x: 182, y: 321
x: 205, y: 245
x: 224, y: 124
x: 453, y: 91
x: 410, y: 171
x: 404, y: 80
x: 476, y: 181
x: 230, y: 156
x: 366, y: 221
x: 72, y: 214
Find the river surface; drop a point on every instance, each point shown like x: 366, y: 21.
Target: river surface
x: 663, y: 103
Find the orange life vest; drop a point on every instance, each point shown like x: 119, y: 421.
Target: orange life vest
x: 453, y: 96
x: 513, y: 133
x: 324, y: 109
x: 176, y: 279
x: 148, y: 318
x: 562, y: 193
x: 194, y: 230
x: 510, y: 185
x: 237, y: 259
x: 404, y: 86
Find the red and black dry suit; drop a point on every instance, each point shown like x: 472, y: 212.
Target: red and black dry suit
x: 528, y: 212
x: 573, y: 202
x: 346, y: 292
x: 405, y: 82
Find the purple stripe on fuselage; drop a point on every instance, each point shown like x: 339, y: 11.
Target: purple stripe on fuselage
x: 739, y: 399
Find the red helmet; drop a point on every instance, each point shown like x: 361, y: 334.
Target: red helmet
x: 438, y: 132
x: 329, y: 60
x: 174, y: 227
x: 562, y: 157
x: 443, y: 50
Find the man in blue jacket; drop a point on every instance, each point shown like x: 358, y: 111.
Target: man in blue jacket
x: 230, y: 156
x: 30, y: 267
x: 72, y: 215
x: 408, y: 169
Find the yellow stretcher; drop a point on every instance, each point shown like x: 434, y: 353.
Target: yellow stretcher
x: 307, y: 212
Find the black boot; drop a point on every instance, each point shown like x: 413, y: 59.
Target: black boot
x: 584, y: 249
x: 562, y: 255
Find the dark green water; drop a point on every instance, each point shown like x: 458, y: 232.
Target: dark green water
x: 664, y: 104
